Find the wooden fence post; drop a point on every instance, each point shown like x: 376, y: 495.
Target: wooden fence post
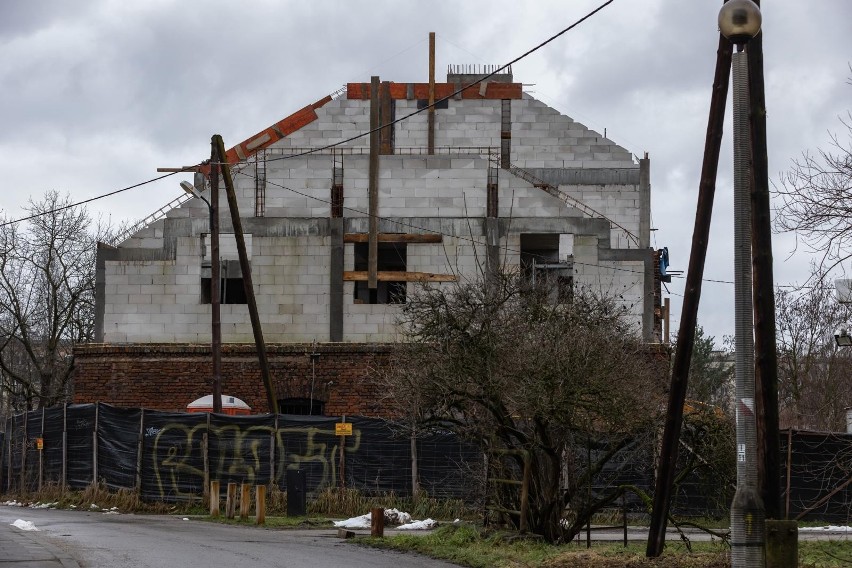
x: 231, y: 502
x: 377, y: 522
x: 214, y: 499
x: 245, y: 501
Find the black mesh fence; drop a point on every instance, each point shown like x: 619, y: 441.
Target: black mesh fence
x: 817, y: 470
x: 170, y: 456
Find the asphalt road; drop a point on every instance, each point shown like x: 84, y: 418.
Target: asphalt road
x: 97, y: 540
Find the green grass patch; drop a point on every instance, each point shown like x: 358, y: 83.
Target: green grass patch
x: 470, y: 546
x: 307, y: 522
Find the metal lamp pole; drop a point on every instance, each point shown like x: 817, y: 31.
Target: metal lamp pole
x: 215, y: 300
x: 739, y: 21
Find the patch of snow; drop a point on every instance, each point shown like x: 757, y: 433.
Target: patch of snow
x: 93, y: 506
x: 828, y: 528
x: 111, y: 513
x: 24, y: 525
x: 418, y: 525
x: 186, y: 518
x: 13, y: 503
x: 43, y: 505
x: 362, y: 522
x: 72, y: 506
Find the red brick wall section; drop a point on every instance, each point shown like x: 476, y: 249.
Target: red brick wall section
x: 493, y: 90
x: 170, y: 376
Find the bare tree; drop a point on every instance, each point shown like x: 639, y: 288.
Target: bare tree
x: 503, y: 362
x: 814, y: 386
x: 816, y: 200
x: 47, y: 281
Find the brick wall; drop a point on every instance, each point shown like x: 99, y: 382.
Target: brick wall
x: 170, y: 376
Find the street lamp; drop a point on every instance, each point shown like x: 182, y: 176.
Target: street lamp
x: 739, y: 21
x: 216, y: 331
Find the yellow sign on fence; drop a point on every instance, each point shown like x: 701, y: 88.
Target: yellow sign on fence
x: 343, y: 429
x: 40, y: 443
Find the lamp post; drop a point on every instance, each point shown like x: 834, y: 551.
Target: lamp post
x: 216, y: 329
x: 739, y: 21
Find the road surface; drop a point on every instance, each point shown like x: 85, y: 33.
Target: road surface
x: 96, y: 540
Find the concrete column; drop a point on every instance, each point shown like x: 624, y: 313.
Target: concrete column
x: 645, y: 202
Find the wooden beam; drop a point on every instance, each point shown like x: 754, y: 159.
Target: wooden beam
x: 395, y: 276
x: 394, y: 237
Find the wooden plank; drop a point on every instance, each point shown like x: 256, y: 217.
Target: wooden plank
x: 395, y: 238
x: 397, y: 276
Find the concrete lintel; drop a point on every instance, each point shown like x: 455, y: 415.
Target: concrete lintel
x: 626, y: 255
x: 587, y: 176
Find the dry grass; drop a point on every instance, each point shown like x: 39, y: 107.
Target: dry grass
x: 334, y: 502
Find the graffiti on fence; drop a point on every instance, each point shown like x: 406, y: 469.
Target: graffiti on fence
x: 243, y: 453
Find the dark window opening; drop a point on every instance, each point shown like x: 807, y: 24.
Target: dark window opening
x: 231, y: 287
x: 541, y: 263
x: 302, y: 406
x: 392, y: 257
x: 232, y: 291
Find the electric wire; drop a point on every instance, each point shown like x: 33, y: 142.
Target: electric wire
x: 451, y: 95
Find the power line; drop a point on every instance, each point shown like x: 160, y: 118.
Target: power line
x: 451, y: 95
x: 134, y: 186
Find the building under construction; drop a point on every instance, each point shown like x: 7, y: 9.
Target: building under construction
x: 487, y: 175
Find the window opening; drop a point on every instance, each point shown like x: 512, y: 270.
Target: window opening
x: 392, y: 257
x: 547, y: 259
x: 231, y: 288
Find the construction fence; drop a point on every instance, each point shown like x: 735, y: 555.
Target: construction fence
x: 170, y: 457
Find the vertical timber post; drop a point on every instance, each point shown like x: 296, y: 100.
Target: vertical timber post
x: 214, y: 499
x: 245, y: 266
x: 377, y: 522
x: 245, y: 501
x: 431, y: 115
x: 231, y: 501
x: 215, y: 278
x: 41, y: 454
x: 372, y: 261
x: 692, y: 296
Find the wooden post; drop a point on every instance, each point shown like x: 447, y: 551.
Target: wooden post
x: 245, y: 266
x: 231, y: 501
x: 689, y: 309
x: 260, y: 503
x: 373, y: 191
x: 431, y: 115
x: 245, y: 501
x: 377, y: 522
x: 214, y: 499
x: 215, y: 278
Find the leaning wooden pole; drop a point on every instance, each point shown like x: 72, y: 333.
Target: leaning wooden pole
x: 271, y: 399
x: 766, y: 356
x: 691, y: 297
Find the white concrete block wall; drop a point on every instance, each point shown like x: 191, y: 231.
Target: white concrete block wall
x: 160, y: 301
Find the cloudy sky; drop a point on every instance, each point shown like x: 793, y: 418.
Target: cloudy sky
x: 95, y: 95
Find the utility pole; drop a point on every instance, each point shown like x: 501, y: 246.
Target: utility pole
x: 245, y: 266
x: 766, y: 356
x: 215, y: 280
x: 691, y: 297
